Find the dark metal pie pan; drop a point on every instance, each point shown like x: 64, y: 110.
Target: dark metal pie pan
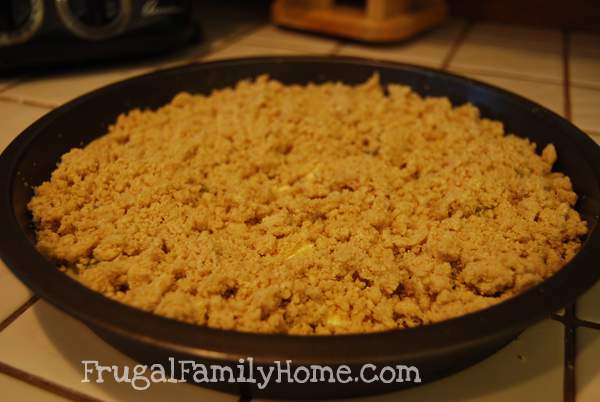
x: 436, y: 349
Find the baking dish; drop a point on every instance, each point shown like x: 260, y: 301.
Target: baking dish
x: 436, y: 349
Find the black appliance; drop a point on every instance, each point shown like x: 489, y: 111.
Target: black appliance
x: 51, y: 32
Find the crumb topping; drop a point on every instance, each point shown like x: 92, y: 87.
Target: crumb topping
x: 316, y: 209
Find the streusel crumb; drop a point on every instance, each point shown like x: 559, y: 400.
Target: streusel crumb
x: 316, y: 209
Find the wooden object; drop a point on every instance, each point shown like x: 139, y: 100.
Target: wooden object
x: 370, y: 20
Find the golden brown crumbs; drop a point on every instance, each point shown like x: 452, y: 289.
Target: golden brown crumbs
x: 317, y: 209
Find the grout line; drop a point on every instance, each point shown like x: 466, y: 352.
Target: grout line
x: 337, y: 47
x: 235, y: 39
x: 28, y: 102
x: 504, y: 74
x: 11, y: 84
x: 214, y: 47
x: 17, y: 313
x: 569, y: 389
x: 591, y: 87
x: 458, y: 41
x: 586, y: 324
x: 569, y: 379
x: 566, y: 74
x: 46, y: 385
x: 575, y: 322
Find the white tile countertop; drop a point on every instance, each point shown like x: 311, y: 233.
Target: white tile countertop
x: 556, y: 360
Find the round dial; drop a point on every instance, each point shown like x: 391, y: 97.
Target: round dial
x: 94, y: 19
x: 19, y: 20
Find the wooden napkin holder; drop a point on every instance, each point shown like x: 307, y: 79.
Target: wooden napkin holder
x: 368, y: 21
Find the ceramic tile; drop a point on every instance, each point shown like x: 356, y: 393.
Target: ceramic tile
x: 56, y: 344
x: 512, y: 51
x: 58, y: 88
x: 546, y: 94
x: 272, y: 37
x: 15, y: 118
x: 190, y: 53
x: 585, y: 105
x: 587, y: 367
x: 429, y: 49
x: 516, y: 33
x: 182, y: 57
x: 14, y: 293
x: 585, y: 59
x: 585, y: 70
x: 588, y: 305
x: 18, y: 391
x: 239, y: 50
x: 529, y: 367
x: 4, y: 83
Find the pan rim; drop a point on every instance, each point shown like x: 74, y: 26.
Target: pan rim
x: 168, y: 334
